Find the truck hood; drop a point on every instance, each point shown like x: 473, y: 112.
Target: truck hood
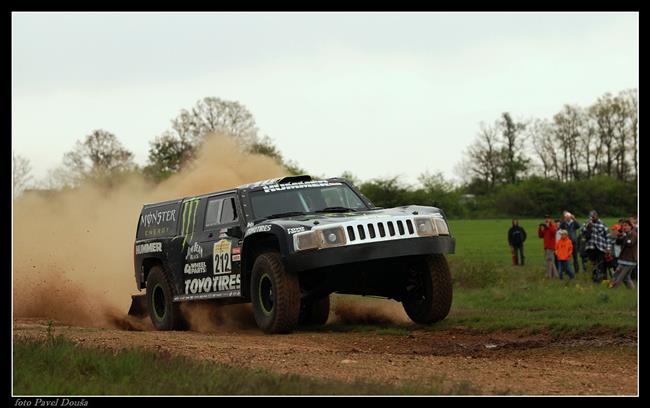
x: 322, y: 219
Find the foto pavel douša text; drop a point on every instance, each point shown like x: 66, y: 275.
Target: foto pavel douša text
x: 50, y: 402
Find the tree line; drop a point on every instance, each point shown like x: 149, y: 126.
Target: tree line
x: 582, y: 158
x: 101, y: 158
x: 578, y: 143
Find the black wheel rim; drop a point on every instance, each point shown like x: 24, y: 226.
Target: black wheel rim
x: 158, y: 300
x: 267, y: 297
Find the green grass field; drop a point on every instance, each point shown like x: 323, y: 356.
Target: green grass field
x: 492, y: 294
x: 59, y: 367
x: 487, y: 240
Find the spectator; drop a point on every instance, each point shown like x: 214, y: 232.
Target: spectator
x: 516, y: 238
x: 572, y: 227
x: 635, y: 223
x: 563, y: 251
x: 627, y: 261
x: 597, y: 246
x: 547, y: 231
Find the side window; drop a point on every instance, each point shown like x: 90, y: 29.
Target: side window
x: 212, y: 212
x: 229, y: 211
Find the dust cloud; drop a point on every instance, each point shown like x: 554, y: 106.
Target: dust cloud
x: 73, y: 250
x: 209, y: 317
x: 368, y: 311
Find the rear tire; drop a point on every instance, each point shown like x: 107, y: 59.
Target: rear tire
x: 165, y: 314
x: 315, y: 313
x: 429, y: 289
x: 275, y: 294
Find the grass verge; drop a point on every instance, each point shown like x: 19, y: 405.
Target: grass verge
x: 59, y: 367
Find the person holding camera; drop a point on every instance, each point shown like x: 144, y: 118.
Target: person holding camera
x: 597, y: 245
x: 627, y: 260
x: 546, y: 231
x: 516, y: 238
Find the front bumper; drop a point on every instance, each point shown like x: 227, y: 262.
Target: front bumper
x: 319, y: 258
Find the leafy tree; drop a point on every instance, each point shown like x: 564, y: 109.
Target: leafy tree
x: 167, y: 155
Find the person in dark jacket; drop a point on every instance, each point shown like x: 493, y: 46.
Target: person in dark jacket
x: 516, y: 238
x: 571, y: 226
x: 627, y: 260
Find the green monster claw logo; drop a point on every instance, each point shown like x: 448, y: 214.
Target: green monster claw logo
x: 189, y: 218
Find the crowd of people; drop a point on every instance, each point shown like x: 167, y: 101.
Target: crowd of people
x: 570, y: 246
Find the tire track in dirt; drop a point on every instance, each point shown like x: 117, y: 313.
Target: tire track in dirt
x: 495, y: 363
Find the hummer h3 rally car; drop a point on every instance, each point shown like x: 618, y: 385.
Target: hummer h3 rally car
x: 285, y: 245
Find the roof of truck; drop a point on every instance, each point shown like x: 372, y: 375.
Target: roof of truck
x: 277, y: 180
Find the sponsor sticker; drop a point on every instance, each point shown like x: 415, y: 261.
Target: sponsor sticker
x: 156, y: 217
x: 219, y: 283
x: 295, y: 230
x: 194, y: 252
x: 302, y: 184
x: 195, y: 268
x: 258, y: 228
x: 148, y: 248
x: 236, y: 258
x: 221, y: 257
x: 236, y: 250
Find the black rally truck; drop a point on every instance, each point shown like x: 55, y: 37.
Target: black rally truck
x: 285, y: 245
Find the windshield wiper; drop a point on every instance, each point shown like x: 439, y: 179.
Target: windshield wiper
x: 336, y: 209
x: 285, y: 214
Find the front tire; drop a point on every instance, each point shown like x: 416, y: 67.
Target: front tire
x: 316, y: 312
x: 428, y: 289
x: 164, y: 313
x: 275, y: 294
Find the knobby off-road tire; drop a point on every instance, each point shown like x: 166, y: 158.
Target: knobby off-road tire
x: 429, y: 289
x: 275, y: 294
x: 315, y: 313
x: 165, y: 314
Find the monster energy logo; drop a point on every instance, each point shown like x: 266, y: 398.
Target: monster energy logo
x: 189, y: 218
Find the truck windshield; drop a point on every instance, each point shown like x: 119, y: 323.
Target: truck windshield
x: 296, y: 199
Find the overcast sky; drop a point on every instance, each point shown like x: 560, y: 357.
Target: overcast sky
x: 378, y: 94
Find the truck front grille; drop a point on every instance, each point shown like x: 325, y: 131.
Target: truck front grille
x: 380, y: 230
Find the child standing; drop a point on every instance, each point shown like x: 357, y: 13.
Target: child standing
x: 563, y: 251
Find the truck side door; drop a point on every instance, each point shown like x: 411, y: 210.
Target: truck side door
x: 217, y: 274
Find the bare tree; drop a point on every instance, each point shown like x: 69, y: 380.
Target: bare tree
x: 630, y: 103
x: 484, y: 155
x: 216, y: 115
x: 604, y: 114
x: 540, y: 131
x: 567, y: 127
x: 21, y: 174
x: 98, y: 156
x: 513, y: 161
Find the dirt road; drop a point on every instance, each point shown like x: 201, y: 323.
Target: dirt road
x: 497, y: 363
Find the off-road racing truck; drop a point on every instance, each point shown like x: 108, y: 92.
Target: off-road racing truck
x: 285, y: 245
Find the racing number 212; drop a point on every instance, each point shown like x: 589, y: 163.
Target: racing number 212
x: 222, y: 262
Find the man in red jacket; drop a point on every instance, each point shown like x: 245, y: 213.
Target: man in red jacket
x: 547, y: 232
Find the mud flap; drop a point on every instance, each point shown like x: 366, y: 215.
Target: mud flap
x: 138, y: 306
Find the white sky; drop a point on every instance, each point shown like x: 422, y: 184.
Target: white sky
x: 379, y: 94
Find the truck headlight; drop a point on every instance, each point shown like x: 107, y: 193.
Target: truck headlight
x: 441, y: 226
x: 334, y: 236
x: 425, y: 227
x: 305, y: 240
